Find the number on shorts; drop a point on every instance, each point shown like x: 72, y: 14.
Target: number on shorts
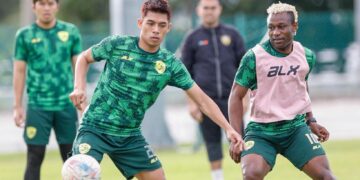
x: 312, y: 138
x: 149, y: 151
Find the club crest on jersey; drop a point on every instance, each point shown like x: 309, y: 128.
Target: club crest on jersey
x: 30, y: 132
x: 63, y: 36
x: 84, y: 148
x: 160, y: 66
x: 249, y: 144
x: 225, y: 40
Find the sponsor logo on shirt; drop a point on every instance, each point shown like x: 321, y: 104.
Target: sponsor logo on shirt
x: 225, y: 40
x: 154, y: 160
x: 160, y: 66
x: 278, y: 71
x: 63, y: 36
x: 30, y: 132
x: 84, y: 148
x: 127, y: 58
x: 35, y: 40
x: 203, y: 42
x: 317, y: 147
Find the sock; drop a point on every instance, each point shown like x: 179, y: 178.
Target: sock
x: 217, y: 174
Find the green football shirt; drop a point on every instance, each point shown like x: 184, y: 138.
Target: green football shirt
x: 129, y: 84
x: 246, y: 73
x: 48, y: 53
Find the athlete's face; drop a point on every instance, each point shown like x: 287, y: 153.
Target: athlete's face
x: 153, y: 28
x: 209, y: 12
x: 281, y: 31
x: 45, y: 11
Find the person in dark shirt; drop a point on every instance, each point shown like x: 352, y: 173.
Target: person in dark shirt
x: 212, y: 53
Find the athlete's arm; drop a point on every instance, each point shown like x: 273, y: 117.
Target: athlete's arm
x: 236, y: 111
x: 78, y: 96
x: 208, y: 107
x: 236, y: 107
x: 320, y: 131
x: 19, y: 73
x: 73, y: 62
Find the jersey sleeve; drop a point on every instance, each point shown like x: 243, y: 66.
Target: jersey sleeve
x: 102, y: 50
x: 20, y: 51
x: 77, y: 43
x: 180, y: 77
x: 311, y: 59
x: 246, y: 73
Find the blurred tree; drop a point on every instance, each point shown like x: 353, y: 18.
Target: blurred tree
x: 256, y: 6
x: 84, y: 10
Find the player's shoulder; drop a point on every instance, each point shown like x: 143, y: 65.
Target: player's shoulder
x: 249, y: 55
x: 229, y: 29
x: 167, y: 55
x: 65, y: 24
x: 122, y: 39
x: 24, y: 30
x: 307, y: 50
x: 195, y: 32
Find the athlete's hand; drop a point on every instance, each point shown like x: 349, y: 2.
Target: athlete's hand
x: 236, y: 145
x: 321, y: 132
x: 195, y: 112
x: 19, y: 116
x: 78, y: 98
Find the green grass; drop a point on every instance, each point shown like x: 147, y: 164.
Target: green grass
x: 344, y: 157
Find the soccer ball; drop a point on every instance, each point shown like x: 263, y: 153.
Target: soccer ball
x: 81, y: 167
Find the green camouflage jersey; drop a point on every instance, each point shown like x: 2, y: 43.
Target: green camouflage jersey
x: 246, y: 74
x: 129, y: 84
x: 47, y: 53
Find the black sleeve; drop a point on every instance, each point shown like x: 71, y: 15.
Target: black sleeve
x: 187, y: 53
x: 239, y: 47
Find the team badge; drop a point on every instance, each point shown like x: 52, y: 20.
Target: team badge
x: 30, y: 132
x: 160, y: 67
x: 225, y: 40
x: 249, y: 144
x: 63, y: 36
x: 84, y: 148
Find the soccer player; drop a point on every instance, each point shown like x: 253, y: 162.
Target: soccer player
x: 45, y: 52
x: 136, y: 71
x: 282, y: 122
x: 212, y: 53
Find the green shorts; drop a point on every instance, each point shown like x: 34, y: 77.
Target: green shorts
x: 291, y: 139
x: 40, y: 122
x: 131, y: 155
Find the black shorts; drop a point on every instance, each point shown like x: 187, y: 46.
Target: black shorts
x: 212, y: 133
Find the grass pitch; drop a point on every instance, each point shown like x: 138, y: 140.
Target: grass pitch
x: 344, y: 157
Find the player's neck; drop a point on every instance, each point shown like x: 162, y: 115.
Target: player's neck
x: 46, y: 25
x: 146, y: 47
x: 211, y: 25
x: 287, y: 50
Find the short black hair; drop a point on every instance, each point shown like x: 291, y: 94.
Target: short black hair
x: 159, y: 6
x: 34, y: 1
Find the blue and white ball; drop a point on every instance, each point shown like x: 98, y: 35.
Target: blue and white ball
x: 81, y: 167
